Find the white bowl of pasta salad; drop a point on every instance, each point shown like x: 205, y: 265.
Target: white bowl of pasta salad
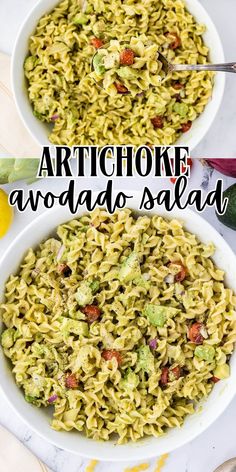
x: 61, y: 102
x: 119, y: 328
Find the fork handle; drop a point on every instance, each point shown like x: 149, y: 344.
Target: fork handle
x: 229, y: 67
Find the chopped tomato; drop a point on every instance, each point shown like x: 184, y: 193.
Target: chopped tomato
x: 176, y: 43
x: 194, y: 333
x: 110, y: 354
x: 178, y: 98
x: 178, y: 86
x: 92, y: 312
x: 64, y: 269
x: 215, y: 379
x: 164, y: 376
x: 71, y: 381
x: 127, y: 57
x: 190, y: 164
x: 186, y: 126
x: 157, y: 122
x: 121, y: 88
x: 97, y: 42
x: 176, y: 371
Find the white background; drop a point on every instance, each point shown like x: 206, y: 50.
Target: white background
x: 221, y: 139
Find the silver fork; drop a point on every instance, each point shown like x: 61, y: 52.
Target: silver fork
x: 170, y: 67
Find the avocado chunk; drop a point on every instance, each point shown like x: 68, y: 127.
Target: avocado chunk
x: 229, y: 217
x: 145, y: 359
x: 126, y: 73
x: 84, y: 294
x: 98, y: 64
x: 130, y: 269
x: 30, y: 63
x: 158, y: 314
x: 8, y: 338
x: 205, y: 353
x: 130, y: 381
x: 80, y: 19
x: 222, y: 371
x: 80, y: 328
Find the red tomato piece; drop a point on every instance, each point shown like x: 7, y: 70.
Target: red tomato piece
x: 110, y: 354
x: 178, y: 86
x: 215, y: 379
x: 71, y: 381
x: 64, y: 269
x: 92, y: 312
x: 186, y: 126
x: 127, y: 57
x: 164, y: 376
x: 121, y: 88
x: 157, y: 122
x: 194, y: 333
x: 181, y: 275
x: 97, y: 42
x: 176, y: 43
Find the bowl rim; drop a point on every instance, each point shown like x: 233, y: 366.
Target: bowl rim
x: 197, y: 135
x: 139, y: 452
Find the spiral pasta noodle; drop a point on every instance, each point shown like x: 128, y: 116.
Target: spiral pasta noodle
x: 122, y: 323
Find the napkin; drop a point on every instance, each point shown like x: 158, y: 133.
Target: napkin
x: 16, y: 457
x: 15, y: 141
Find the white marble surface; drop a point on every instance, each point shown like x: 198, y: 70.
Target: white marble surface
x: 201, y: 455
x: 220, y: 140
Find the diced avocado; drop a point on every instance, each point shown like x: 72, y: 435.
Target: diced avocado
x: 80, y: 328
x: 80, y: 19
x: 30, y: 63
x: 130, y: 268
x: 30, y: 399
x: 127, y: 73
x: 95, y: 286
x: 222, y: 371
x: 145, y: 359
x: 158, y: 314
x: 84, y: 294
x: 181, y: 108
x: 205, y: 353
x: 130, y: 381
x: 141, y: 282
x: 8, y: 338
x: 98, y: 64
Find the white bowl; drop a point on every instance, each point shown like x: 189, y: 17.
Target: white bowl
x: 40, y: 131
x: 39, y: 419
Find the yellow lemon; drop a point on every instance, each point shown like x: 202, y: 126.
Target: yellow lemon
x: 6, y: 213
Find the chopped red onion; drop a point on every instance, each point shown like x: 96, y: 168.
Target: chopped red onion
x: 55, y: 117
x: 53, y: 398
x: 153, y: 343
x: 60, y: 252
x: 141, y: 94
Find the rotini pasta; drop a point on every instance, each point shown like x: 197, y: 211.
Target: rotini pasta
x: 122, y: 323
x: 63, y: 92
